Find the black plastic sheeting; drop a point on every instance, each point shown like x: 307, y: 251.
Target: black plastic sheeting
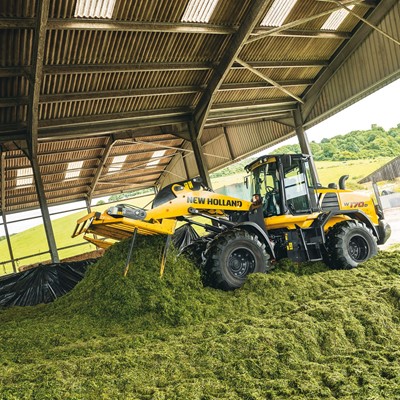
x: 184, y: 235
x: 42, y: 284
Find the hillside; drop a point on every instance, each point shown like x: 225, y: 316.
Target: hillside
x: 299, y: 332
x: 369, y: 144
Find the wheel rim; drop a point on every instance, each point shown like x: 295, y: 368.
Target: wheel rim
x: 358, y: 248
x: 241, y: 262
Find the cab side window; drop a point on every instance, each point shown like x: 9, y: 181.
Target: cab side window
x: 296, y: 189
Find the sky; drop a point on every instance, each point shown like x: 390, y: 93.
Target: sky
x: 381, y: 108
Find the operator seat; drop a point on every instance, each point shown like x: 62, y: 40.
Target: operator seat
x: 271, y: 204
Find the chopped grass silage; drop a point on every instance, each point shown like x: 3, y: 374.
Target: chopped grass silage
x: 299, y: 332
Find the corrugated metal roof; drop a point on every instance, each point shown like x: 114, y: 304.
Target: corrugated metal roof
x: 131, y: 83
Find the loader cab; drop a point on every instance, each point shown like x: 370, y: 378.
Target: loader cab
x: 284, y: 184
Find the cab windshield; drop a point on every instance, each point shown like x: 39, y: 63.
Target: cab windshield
x: 296, y: 188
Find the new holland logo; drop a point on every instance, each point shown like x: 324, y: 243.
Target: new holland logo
x: 214, y: 202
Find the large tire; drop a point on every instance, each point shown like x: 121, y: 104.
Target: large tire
x: 348, y: 244
x: 231, y: 256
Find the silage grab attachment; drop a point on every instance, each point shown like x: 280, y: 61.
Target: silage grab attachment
x: 178, y: 202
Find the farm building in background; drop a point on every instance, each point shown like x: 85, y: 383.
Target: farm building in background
x: 388, y: 172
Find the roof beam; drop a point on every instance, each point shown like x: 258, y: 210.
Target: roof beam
x: 312, y: 34
x: 128, y: 123
x: 131, y: 67
x: 283, y: 64
x: 14, y: 101
x: 123, y: 93
x: 117, y: 25
x: 61, y: 69
x: 263, y: 85
x: 91, y: 148
x: 226, y: 121
x: 256, y: 11
x: 268, y: 79
x: 49, y: 192
x: 138, y: 26
x: 238, y: 114
x: 133, y: 186
x: 17, y: 23
x: 8, y: 72
x: 156, y: 115
x: 121, y: 127
x: 156, y: 171
x: 85, y: 181
x: 276, y: 104
x: 47, y: 164
x: 143, y: 92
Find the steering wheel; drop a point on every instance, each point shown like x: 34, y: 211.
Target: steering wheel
x: 269, y: 190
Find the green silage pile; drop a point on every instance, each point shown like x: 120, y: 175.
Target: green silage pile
x: 300, y: 332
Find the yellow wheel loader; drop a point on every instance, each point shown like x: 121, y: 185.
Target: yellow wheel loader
x: 287, y: 215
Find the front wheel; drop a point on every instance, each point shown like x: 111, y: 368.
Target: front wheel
x: 348, y: 244
x: 231, y: 256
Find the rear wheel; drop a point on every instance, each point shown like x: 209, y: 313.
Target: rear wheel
x: 231, y: 256
x: 348, y: 244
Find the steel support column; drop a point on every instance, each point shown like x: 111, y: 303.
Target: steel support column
x: 88, y: 205
x: 10, y: 250
x: 303, y: 141
x: 42, y: 12
x: 3, y: 208
x: 99, y: 169
x: 44, y: 210
x: 198, y: 155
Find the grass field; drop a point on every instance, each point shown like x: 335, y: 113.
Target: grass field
x: 34, y: 240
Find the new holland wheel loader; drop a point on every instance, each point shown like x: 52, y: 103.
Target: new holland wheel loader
x: 288, y: 216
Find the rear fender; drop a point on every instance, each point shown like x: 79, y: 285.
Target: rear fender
x: 254, y: 228
x: 354, y: 214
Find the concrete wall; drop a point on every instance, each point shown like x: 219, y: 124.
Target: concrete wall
x: 390, y: 200
x: 238, y: 190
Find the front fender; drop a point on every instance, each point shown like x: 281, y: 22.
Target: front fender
x: 254, y: 228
